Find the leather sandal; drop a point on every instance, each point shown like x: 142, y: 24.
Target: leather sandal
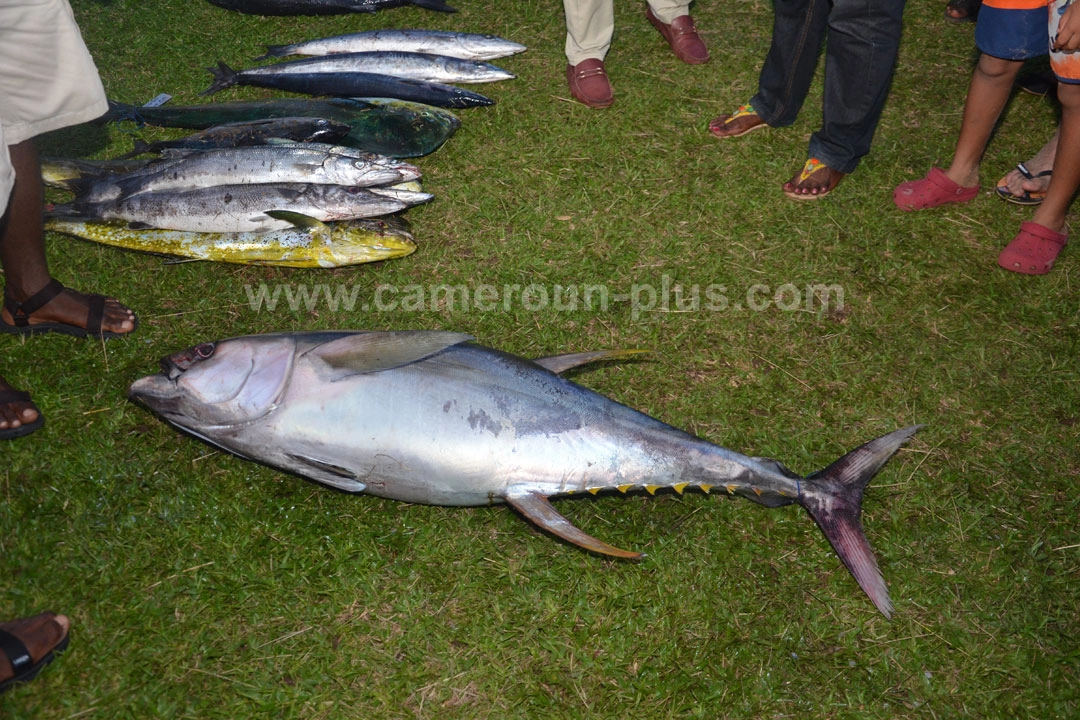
x: 21, y: 311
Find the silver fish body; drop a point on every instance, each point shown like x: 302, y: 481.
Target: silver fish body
x: 410, y: 65
x: 468, y: 46
x: 429, y: 417
x: 278, y: 163
x: 234, y: 208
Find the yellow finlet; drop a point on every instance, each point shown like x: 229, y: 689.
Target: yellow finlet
x: 731, y: 489
x: 594, y: 490
x: 705, y: 488
x: 625, y: 488
x: 757, y: 490
x: 679, y: 487
x: 653, y: 488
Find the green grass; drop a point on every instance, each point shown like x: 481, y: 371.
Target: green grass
x: 201, y: 585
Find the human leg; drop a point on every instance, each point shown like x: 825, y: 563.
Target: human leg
x: 1036, y: 248
x: 22, y: 255
x: 784, y: 80
x: 860, y: 57
x: 589, y: 28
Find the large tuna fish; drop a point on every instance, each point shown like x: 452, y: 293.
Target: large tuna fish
x: 429, y: 417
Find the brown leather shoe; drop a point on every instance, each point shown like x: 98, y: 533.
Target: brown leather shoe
x: 683, y: 38
x: 589, y: 83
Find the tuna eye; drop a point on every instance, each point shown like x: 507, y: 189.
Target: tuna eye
x: 205, y: 350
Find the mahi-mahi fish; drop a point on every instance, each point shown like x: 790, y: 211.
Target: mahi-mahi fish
x: 433, y: 418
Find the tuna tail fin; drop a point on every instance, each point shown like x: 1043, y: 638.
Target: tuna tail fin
x: 833, y: 497
x: 224, y: 76
x: 437, y: 5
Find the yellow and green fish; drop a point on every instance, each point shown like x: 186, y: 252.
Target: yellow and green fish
x: 309, y: 243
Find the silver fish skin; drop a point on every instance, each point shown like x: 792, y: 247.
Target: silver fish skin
x: 251, y: 132
x: 430, y: 417
x: 324, y: 7
x: 410, y: 65
x: 234, y: 208
x: 284, y: 163
x: 468, y: 46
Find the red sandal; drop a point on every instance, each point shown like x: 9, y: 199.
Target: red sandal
x: 931, y: 191
x: 1034, y: 250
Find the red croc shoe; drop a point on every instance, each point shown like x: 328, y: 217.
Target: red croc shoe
x: 1034, y: 250
x: 933, y: 190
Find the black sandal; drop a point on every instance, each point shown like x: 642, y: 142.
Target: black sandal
x: 21, y: 312
x: 13, y: 396
x: 22, y: 664
x: 962, y: 11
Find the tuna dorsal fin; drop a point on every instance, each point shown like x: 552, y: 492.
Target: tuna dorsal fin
x: 375, y: 351
x: 539, y: 510
x: 559, y: 364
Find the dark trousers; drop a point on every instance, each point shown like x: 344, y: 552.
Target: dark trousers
x: 861, y: 39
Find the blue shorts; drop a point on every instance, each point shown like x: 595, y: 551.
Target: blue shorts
x: 1021, y: 33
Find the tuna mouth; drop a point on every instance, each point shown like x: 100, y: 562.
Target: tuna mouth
x: 173, y: 366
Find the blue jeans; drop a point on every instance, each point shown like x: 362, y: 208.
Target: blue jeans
x: 860, y: 56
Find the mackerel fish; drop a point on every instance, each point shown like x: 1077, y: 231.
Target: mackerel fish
x: 468, y: 46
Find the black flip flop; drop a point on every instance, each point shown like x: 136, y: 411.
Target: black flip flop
x: 21, y: 312
x: 21, y: 663
x: 10, y: 396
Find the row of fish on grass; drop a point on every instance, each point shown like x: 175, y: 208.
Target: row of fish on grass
x: 291, y: 181
x: 421, y: 66
x: 244, y: 193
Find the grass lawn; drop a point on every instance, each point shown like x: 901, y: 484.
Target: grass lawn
x: 201, y: 585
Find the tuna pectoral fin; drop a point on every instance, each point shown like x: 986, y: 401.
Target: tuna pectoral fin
x: 833, y: 498
x: 559, y: 364
x: 536, y: 508
x: 327, y: 473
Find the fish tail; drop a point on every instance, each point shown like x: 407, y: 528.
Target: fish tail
x: 833, y: 497
x: 224, y: 76
x: 437, y: 5
x: 274, y: 51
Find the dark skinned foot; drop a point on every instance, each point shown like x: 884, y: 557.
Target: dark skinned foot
x: 71, y: 307
x: 16, y: 414
x: 815, y: 181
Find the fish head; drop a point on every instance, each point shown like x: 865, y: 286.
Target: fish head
x: 219, y: 384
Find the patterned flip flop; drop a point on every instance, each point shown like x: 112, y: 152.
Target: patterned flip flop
x: 1029, y: 197
x: 812, y: 166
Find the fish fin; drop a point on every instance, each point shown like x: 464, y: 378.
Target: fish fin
x: 224, y: 76
x: 300, y: 220
x: 376, y: 351
x: 437, y: 5
x: 329, y: 474
x: 539, y: 510
x: 273, y: 51
x: 833, y: 497
x: 559, y: 364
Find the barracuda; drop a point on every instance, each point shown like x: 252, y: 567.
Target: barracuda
x: 430, y: 417
x: 468, y: 46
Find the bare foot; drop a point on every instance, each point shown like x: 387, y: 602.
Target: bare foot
x: 816, y: 180
x: 72, y: 307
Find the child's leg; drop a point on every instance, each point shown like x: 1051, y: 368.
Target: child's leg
x: 991, y: 85
x: 1066, y: 177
